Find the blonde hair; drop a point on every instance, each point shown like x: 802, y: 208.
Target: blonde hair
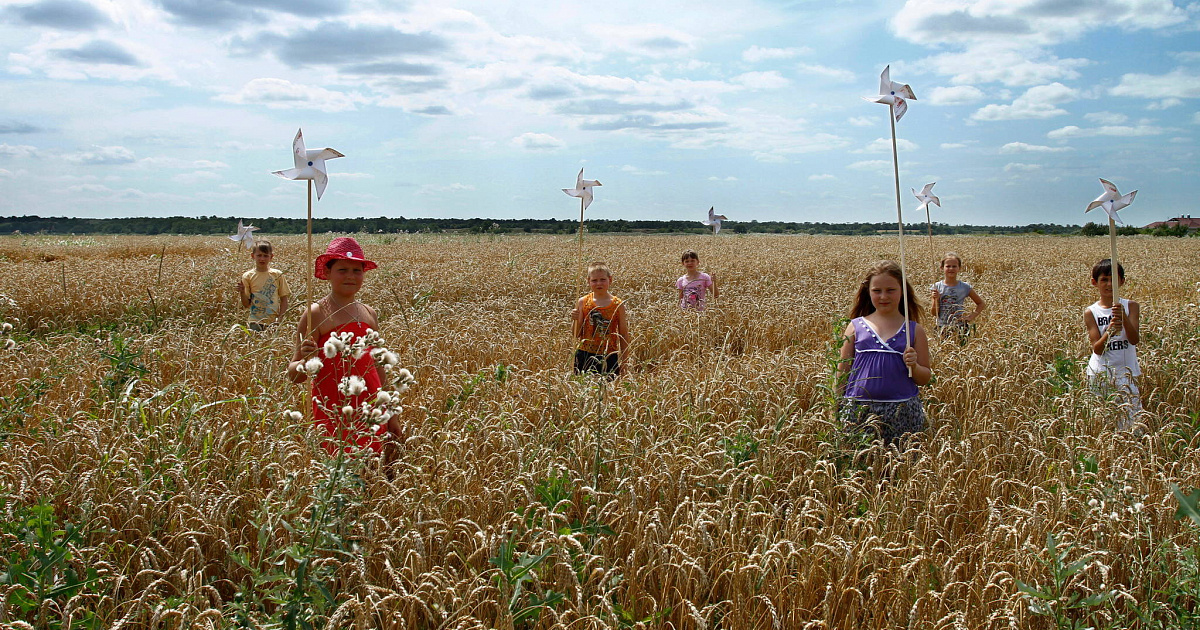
x: 598, y: 266
x: 948, y: 256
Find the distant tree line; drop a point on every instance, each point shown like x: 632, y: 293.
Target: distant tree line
x: 273, y: 225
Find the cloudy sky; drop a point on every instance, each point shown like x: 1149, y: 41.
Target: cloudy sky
x: 486, y: 108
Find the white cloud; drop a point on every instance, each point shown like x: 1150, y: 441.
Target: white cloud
x: 956, y: 95
x: 1071, y: 131
x: 1105, y: 118
x: 1178, y: 83
x: 884, y: 145
x: 871, y: 165
x: 755, y: 54
x: 1021, y: 147
x: 769, y: 80
x: 1018, y: 167
x: 532, y: 141
x: 836, y: 75
x: 283, y: 94
x: 729, y: 178
x: 1001, y: 63
x: 953, y: 145
x: 634, y: 170
x: 102, y: 156
x: 1037, y: 102
x: 821, y: 177
x: 18, y: 151
x: 1166, y: 103
x: 861, y: 121
x: 356, y: 176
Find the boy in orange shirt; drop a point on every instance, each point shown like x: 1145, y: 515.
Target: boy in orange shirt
x: 600, y: 324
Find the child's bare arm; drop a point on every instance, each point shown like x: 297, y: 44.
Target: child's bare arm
x: 845, y: 355
x: 622, y: 332
x: 283, y: 304
x: 243, y: 295
x: 305, y: 348
x: 979, y: 305
x: 1096, y: 340
x: 1133, y: 323
x: 577, y: 319
x: 934, y: 300
x: 917, y: 357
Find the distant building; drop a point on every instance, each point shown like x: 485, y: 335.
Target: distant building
x: 1186, y: 221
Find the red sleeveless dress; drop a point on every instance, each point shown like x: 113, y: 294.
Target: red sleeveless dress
x: 327, y: 401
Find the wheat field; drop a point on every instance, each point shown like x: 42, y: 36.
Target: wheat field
x: 144, y: 451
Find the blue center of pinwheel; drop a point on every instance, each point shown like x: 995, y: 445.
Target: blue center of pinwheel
x: 310, y: 163
x: 893, y: 93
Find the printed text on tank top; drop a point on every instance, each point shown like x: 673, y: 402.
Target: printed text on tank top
x: 1114, y: 344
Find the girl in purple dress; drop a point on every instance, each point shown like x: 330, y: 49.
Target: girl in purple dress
x: 880, y: 395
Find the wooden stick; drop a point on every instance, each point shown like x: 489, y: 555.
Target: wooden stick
x: 900, y: 225
x: 932, y: 251
x: 1116, y: 269
x: 308, y: 276
x: 581, y: 200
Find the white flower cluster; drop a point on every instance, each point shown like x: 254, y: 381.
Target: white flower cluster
x: 10, y: 343
x: 385, y: 404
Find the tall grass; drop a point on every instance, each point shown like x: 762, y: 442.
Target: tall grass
x: 709, y: 487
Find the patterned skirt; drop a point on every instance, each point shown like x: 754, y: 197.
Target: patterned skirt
x: 888, y: 421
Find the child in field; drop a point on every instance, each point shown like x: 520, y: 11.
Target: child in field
x: 880, y: 395
x: 1114, y: 333
x: 693, y: 284
x: 600, y: 325
x: 343, y: 265
x: 948, y: 296
x: 263, y: 289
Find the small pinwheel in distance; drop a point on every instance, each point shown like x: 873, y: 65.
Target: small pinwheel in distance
x: 1111, y: 200
x: 582, y: 189
x: 715, y: 220
x: 926, y: 197
x: 309, y: 164
x: 244, y: 236
x: 892, y: 93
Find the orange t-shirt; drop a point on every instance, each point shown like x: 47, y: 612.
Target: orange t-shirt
x: 599, y: 335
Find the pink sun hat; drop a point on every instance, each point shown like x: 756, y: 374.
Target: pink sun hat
x: 341, y: 248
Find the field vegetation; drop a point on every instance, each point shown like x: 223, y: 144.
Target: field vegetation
x: 150, y: 476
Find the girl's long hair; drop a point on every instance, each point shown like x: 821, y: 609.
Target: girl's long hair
x: 862, y: 300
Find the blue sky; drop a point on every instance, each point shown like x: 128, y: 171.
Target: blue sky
x: 487, y: 108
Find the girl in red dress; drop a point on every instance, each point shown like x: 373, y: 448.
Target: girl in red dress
x: 338, y: 321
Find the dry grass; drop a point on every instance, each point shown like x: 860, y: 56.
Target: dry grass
x: 709, y: 488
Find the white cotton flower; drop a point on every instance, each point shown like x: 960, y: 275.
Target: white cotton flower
x: 1093, y: 503
x: 383, y: 397
x: 1114, y: 516
x: 331, y: 348
x: 347, y: 410
x: 391, y: 358
x: 1128, y: 489
x: 375, y: 413
x: 1138, y: 507
x: 294, y: 416
x: 313, y: 366
x: 404, y: 375
x: 7, y: 327
x: 359, y: 352
x: 352, y: 385
x: 10, y: 344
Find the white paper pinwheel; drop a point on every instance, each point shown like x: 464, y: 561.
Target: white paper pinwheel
x: 927, y: 197
x: 244, y: 236
x: 582, y: 189
x: 715, y: 220
x: 892, y: 93
x: 309, y: 164
x: 1111, y: 201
